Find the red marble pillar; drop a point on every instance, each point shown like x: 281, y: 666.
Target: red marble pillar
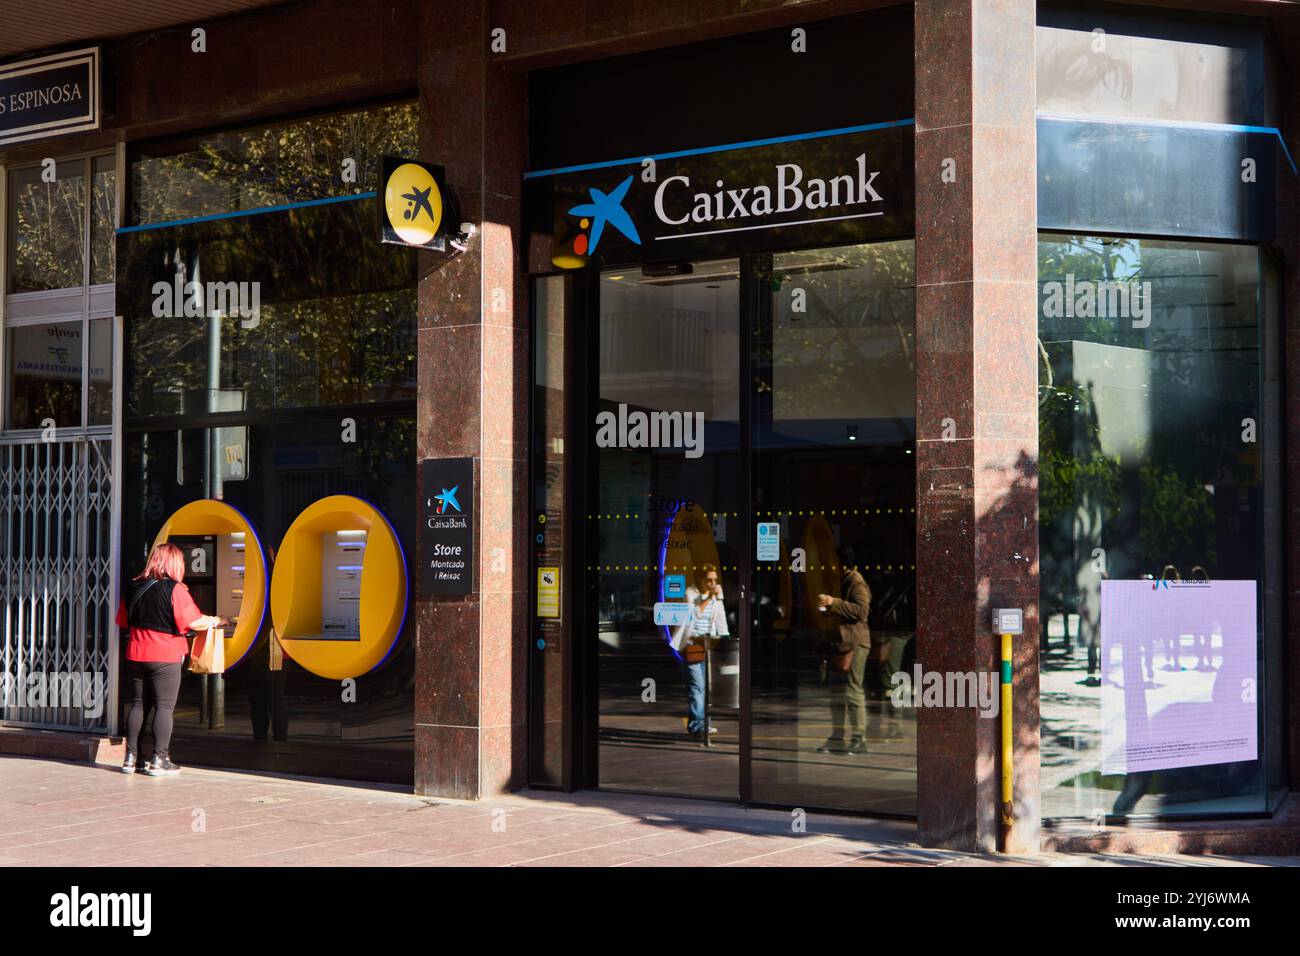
x: 470, y: 739
x: 1288, y: 240
x: 977, y: 441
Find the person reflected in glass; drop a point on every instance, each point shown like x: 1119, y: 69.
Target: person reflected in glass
x: 706, y: 621
x: 847, y: 657
x: 266, y: 687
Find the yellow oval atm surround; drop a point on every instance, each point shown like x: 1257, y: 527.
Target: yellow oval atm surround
x: 240, y: 572
x: 338, y: 590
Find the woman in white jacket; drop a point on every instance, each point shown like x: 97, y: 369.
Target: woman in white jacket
x: 707, y: 619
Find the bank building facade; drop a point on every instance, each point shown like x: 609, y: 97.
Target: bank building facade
x: 532, y: 387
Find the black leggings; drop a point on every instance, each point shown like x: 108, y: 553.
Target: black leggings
x: 164, y: 682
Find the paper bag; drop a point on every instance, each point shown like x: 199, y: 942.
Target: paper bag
x: 276, y: 662
x: 208, y: 655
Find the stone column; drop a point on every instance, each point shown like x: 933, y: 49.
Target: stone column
x: 1288, y: 239
x: 470, y: 737
x: 977, y: 421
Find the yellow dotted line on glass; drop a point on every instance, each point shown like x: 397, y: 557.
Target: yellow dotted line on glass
x: 833, y: 512
x: 675, y: 569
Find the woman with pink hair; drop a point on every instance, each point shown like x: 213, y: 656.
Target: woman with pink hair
x: 159, y: 610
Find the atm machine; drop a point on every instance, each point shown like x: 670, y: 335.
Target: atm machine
x: 200, y: 568
x: 342, y: 555
x: 230, y: 577
x: 214, y: 572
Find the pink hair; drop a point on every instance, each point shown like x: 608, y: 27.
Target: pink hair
x: 165, y: 561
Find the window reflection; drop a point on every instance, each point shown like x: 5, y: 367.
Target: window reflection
x: 44, y: 374
x: 269, y: 165
x: 340, y: 351
x: 282, y: 309
x: 103, y: 219
x: 835, y: 475
x: 46, y: 226
x: 668, y: 530
x: 1150, y: 468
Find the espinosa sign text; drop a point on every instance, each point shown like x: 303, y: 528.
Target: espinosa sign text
x: 49, y: 95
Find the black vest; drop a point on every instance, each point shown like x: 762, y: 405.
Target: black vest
x: 149, y: 605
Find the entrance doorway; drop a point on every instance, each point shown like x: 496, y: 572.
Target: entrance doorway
x: 748, y: 458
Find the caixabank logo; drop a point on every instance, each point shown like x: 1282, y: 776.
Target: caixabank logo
x: 414, y: 204
x: 604, y: 209
x: 818, y: 189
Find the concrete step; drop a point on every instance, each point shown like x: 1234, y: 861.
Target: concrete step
x: 1277, y: 835
x: 61, y: 745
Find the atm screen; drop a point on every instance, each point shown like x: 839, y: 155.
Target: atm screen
x: 230, y: 574
x: 214, y: 572
x: 343, y: 553
x: 204, y: 595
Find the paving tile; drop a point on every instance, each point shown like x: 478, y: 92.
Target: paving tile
x: 55, y: 813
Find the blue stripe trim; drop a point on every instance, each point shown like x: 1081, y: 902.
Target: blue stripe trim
x: 747, y: 144
x: 239, y: 213
x: 1175, y: 124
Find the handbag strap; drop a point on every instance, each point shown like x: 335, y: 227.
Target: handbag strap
x: 135, y: 602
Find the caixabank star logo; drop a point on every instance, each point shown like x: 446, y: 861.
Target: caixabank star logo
x: 604, y: 209
x: 412, y: 203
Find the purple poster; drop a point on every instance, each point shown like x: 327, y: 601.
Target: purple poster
x: 1178, y: 674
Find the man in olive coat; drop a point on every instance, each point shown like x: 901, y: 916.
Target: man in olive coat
x: 847, y: 660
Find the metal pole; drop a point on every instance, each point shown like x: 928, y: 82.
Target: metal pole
x: 1008, y: 805
x: 708, y: 679
x: 216, y: 682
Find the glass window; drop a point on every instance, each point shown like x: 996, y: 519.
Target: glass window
x: 99, y: 376
x: 335, y: 351
x: 103, y: 219
x: 287, y: 467
x: 270, y: 165
x: 284, y: 309
x: 1153, y: 442
x: 44, y: 375
x: 47, y: 222
x: 291, y: 308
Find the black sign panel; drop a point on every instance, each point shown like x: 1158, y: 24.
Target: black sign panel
x: 49, y: 95
x: 821, y: 189
x: 447, y: 529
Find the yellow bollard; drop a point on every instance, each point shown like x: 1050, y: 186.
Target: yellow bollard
x: 1007, y: 746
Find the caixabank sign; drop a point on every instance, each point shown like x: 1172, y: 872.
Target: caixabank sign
x: 415, y: 206
x: 839, y: 186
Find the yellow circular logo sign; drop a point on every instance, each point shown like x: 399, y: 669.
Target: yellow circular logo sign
x: 413, y: 204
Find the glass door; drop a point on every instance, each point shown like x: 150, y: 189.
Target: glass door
x: 834, y: 493
x: 751, y: 572
x: 667, y: 517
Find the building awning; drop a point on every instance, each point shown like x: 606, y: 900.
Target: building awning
x: 55, y: 23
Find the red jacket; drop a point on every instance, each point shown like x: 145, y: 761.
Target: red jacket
x: 159, y: 646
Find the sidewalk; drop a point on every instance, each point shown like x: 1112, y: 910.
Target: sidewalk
x: 54, y: 813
